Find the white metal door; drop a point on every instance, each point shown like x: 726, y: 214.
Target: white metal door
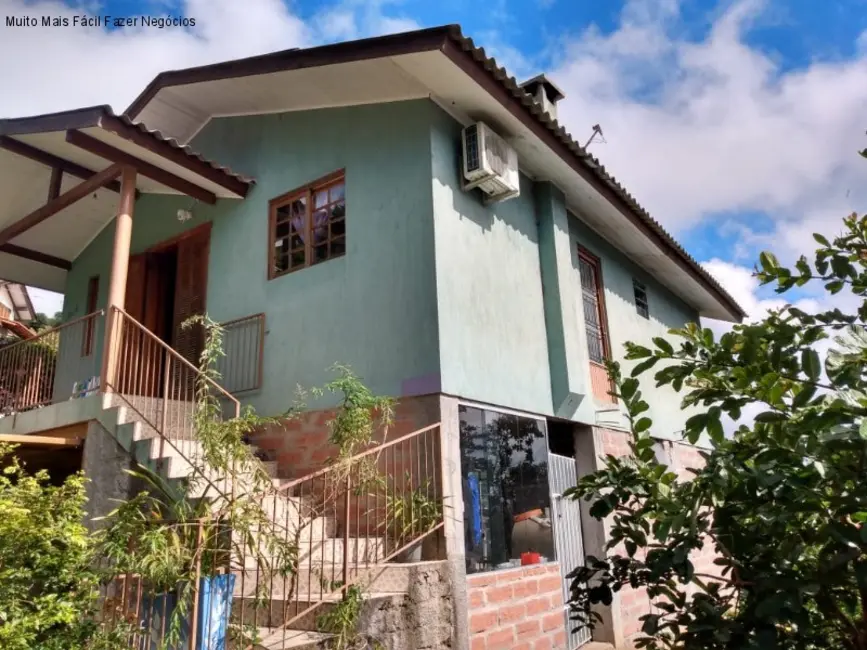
x: 563, y: 474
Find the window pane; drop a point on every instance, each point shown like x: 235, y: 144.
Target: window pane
x: 298, y: 208
x: 282, y: 213
x: 281, y: 262
x: 336, y: 192
x: 504, y: 464
x: 338, y: 228
x: 297, y: 259
x: 338, y: 246
x: 338, y: 210
x: 321, y: 199
x: 320, y: 253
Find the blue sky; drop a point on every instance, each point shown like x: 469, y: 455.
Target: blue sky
x: 735, y: 122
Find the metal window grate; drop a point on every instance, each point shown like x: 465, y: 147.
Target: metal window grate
x: 641, y: 304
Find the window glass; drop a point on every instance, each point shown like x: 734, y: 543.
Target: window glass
x: 507, y: 502
x: 308, y: 226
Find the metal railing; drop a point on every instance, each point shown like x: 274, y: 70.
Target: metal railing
x: 163, y: 388
x: 240, y: 367
x: 54, y: 366
x: 359, y: 514
x: 348, y: 524
x: 344, y: 523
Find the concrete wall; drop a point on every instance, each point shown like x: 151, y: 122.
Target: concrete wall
x: 437, y: 292
x: 420, y: 620
x: 509, y: 294
x: 625, y: 324
x: 489, y: 288
x: 373, y: 309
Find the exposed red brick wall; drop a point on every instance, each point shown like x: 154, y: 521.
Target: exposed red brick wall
x: 517, y: 609
x: 300, y: 445
x: 634, y: 603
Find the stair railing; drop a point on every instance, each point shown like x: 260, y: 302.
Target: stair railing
x: 359, y: 514
x: 348, y: 520
x: 53, y: 366
x: 164, y: 389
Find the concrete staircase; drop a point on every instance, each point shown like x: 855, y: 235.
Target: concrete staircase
x: 262, y: 600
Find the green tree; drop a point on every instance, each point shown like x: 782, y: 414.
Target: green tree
x: 47, y: 585
x: 782, y: 501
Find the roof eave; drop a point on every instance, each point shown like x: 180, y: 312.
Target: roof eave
x: 497, y: 82
x: 432, y: 38
x: 104, y: 118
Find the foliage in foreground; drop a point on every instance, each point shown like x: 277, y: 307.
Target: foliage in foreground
x: 48, y: 587
x: 783, y: 502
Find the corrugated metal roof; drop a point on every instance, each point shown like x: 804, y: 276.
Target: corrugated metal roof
x: 591, y: 162
x: 186, y: 149
x: 102, y: 116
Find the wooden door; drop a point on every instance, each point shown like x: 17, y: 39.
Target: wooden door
x: 191, y: 280
x: 141, y: 356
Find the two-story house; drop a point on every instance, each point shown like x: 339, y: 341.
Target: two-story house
x: 316, y: 202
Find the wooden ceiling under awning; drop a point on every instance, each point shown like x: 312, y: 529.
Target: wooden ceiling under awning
x: 46, y: 158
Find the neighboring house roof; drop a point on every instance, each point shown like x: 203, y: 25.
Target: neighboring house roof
x: 16, y: 327
x: 416, y: 64
x: 22, y: 306
x: 57, y: 151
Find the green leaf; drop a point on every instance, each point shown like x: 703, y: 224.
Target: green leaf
x: 768, y: 261
x: 811, y: 364
x: 643, y: 424
x: 715, y: 430
x: 663, y: 345
x: 804, y: 396
x: 628, y: 388
x: 644, y: 365
x: 835, y: 286
x: 862, y: 430
x: 821, y: 240
x: 770, y: 417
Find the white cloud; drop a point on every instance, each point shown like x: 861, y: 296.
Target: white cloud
x: 66, y: 67
x: 699, y: 128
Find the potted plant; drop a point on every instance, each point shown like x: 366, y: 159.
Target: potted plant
x: 410, y: 513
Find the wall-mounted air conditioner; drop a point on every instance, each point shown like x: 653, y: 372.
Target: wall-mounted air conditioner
x: 489, y: 163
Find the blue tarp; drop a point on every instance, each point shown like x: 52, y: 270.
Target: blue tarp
x: 215, y: 605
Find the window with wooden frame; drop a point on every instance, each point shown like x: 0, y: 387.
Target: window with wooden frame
x: 92, y: 298
x: 595, y: 324
x: 640, y: 293
x: 595, y: 321
x: 307, y: 226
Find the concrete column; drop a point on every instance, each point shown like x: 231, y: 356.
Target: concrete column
x: 453, y: 507
x: 561, y: 294
x: 117, y: 278
x: 589, y: 454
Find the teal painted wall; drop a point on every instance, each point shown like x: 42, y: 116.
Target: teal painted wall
x: 437, y: 291
x: 373, y: 309
x: 667, y: 311
x: 489, y: 288
x: 509, y: 294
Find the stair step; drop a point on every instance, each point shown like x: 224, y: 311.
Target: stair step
x: 314, y: 581
x: 271, y: 638
x: 328, y: 550
x: 274, y: 613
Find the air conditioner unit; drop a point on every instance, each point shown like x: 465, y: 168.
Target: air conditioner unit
x: 489, y: 163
